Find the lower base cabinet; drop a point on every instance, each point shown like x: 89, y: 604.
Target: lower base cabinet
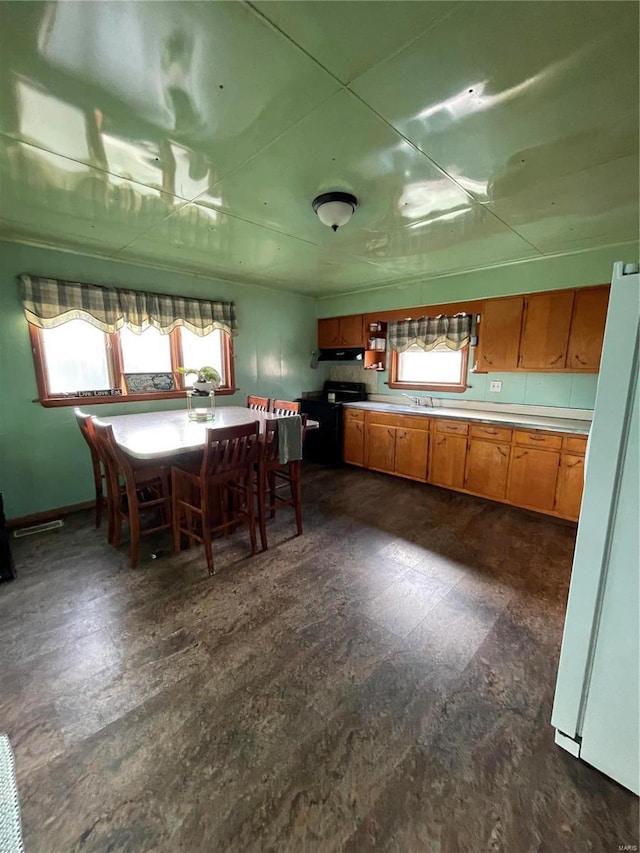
x: 448, y: 454
x: 354, y: 442
x: 412, y: 451
x: 487, y: 468
x: 532, y: 478
x: 569, y: 487
x: 381, y: 448
x: 532, y: 469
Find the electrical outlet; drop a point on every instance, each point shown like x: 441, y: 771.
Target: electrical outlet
x: 496, y: 387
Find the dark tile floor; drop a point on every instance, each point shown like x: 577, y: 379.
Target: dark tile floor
x: 383, y: 682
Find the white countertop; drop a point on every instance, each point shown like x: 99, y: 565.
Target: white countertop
x: 580, y: 427
x: 153, y: 435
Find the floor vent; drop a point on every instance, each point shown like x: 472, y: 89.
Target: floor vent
x: 37, y: 528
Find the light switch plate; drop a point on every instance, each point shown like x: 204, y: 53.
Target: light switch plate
x: 495, y: 386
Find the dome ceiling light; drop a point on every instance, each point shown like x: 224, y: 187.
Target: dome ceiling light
x: 335, y: 209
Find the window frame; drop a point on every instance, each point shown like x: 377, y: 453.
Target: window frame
x: 115, y: 363
x: 450, y: 387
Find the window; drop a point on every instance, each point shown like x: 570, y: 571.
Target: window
x: 441, y: 369
x: 77, y: 357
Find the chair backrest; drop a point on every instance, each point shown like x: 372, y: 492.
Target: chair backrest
x: 85, y: 422
x: 229, y: 450
x: 258, y: 404
x: 116, y: 461
x: 285, y: 408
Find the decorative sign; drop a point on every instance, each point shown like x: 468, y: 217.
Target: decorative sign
x: 145, y: 383
x: 100, y: 392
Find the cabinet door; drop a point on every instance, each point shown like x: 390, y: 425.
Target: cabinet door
x: 487, y: 468
x: 354, y: 442
x: 532, y: 478
x: 351, y: 334
x: 329, y: 333
x: 545, y: 331
x: 569, y: 488
x: 587, y: 328
x: 446, y: 467
x: 499, y: 333
x: 412, y: 446
x: 381, y: 445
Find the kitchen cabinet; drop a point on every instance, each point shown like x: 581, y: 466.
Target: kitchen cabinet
x: 486, y: 469
x: 448, y: 454
x: 412, y: 449
x: 569, y: 486
x: 587, y: 328
x: 340, y: 332
x: 532, y: 477
x: 559, y: 330
x: 530, y: 468
x: 499, y: 333
x: 381, y: 447
x: 545, y: 330
x: 397, y: 444
x: 354, y: 437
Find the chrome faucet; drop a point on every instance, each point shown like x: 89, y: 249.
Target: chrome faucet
x: 419, y: 401
x: 415, y: 401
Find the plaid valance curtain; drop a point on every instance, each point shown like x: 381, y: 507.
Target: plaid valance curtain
x: 49, y: 302
x: 427, y: 333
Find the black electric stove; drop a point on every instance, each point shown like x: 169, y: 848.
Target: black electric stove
x: 324, y: 445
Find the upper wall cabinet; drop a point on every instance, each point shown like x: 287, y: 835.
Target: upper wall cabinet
x: 587, y: 328
x: 340, y: 332
x: 500, y: 324
x: 545, y: 330
x: 561, y: 330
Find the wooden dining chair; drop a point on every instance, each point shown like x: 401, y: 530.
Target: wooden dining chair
x: 278, y: 485
x: 132, y: 489
x: 219, y: 495
x: 258, y: 404
x: 284, y: 408
x: 98, y: 464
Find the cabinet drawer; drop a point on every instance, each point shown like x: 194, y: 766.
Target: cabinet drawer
x: 354, y: 414
x: 406, y: 421
x: 490, y: 432
x: 452, y: 428
x: 533, y: 438
x: 575, y: 443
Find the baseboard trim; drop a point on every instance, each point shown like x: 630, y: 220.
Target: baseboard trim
x: 49, y: 514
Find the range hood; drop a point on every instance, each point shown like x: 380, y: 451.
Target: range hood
x: 344, y: 354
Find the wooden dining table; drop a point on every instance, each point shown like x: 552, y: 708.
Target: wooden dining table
x: 160, y: 436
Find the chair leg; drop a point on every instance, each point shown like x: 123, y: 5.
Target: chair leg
x: 134, y: 528
x: 97, y: 481
x: 206, y: 531
x: 294, y: 473
x: 272, y: 493
x: 262, y: 507
x: 251, y: 512
x: 175, y: 513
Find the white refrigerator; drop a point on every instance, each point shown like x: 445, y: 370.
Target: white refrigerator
x: 596, y: 705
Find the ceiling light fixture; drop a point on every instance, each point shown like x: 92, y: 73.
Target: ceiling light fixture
x: 335, y: 209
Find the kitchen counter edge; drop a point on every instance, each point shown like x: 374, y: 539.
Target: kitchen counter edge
x: 566, y: 425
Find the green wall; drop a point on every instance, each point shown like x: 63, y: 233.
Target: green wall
x: 44, y: 462
x: 540, y: 389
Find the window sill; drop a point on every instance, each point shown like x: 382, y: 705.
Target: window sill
x: 55, y: 402
x: 408, y: 386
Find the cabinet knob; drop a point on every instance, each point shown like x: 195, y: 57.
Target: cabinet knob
x: 556, y: 360
x: 488, y: 360
x: 577, y: 358
x: 502, y: 452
